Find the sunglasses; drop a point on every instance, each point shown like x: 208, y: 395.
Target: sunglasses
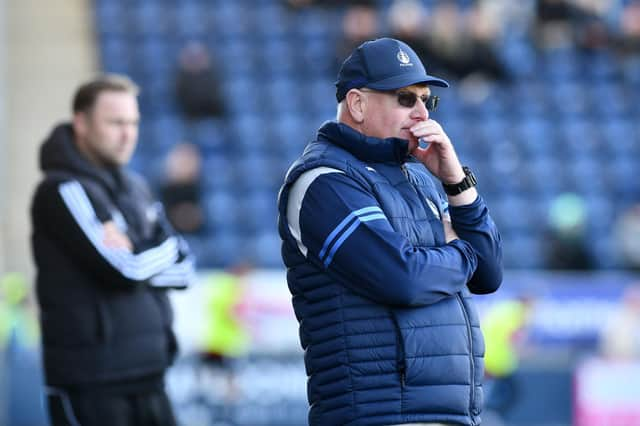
x: 408, y: 99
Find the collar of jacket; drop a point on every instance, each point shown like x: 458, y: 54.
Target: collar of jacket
x: 363, y: 147
x: 59, y: 153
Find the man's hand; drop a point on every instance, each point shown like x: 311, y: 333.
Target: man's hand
x: 115, y: 238
x: 439, y: 157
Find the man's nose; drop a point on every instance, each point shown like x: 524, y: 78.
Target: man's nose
x: 420, y: 111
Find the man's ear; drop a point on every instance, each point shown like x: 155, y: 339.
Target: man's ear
x: 356, y: 102
x: 80, y: 123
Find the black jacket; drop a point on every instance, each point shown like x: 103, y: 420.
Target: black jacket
x: 104, y: 312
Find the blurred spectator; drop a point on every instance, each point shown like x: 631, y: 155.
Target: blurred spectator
x: 407, y: 22
x: 197, y: 84
x: 225, y: 335
x: 626, y: 40
x: 566, y: 240
x: 460, y: 44
x: 18, y: 319
x: 181, y: 192
x: 620, y: 337
x: 299, y: 4
x: 360, y: 23
x: 225, y: 338
x: 627, y: 237
x: 565, y: 23
x: 504, y: 333
x: 629, y: 38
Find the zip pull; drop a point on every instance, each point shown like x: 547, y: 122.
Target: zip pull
x: 403, y: 373
x: 403, y: 167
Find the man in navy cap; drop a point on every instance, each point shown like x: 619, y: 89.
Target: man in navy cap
x: 381, y: 265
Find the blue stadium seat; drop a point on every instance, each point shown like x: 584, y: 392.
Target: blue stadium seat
x: 257, y: 210
x: 523, y: 251
x: 236, y: 60
x: 536, y: 137
x: 231, y: 20
x: 243, y: 96
x: 313, y: 25
x: 256, y: 171
x: 166, y: 131
x: 276, y: 60
x: 586, y: 174
x: 620, y: 137
x: 283, y: 96
x: 530, y: 99
x: 518, y: 55
x: 579, y: 136
x: 222, y: 209
x: 290, y: 132
x: 609, y: 100
x: 265, y: 247
x: 192, y: 20
x: 270, y: 21
x: 115, y: 54
x: 209, y: 134
x: 569, y: 98
x: 248, y: 133
x: 559, y: 65
x: 217, y: 173
x: 226, y: 248
x: 148, y: 18
x: 600, y: 66
x: 111, y: 18
x: 154, y: 55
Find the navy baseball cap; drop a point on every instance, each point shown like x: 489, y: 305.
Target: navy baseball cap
x: 383, y: 64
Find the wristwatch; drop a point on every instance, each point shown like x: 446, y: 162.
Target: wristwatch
x: 469, y: 181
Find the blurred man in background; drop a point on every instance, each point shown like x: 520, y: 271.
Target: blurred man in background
x: 181, y: 190
x: 105, y: 256
x: 380, y: 265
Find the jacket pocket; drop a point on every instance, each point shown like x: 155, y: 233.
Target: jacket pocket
x: 401, y: 362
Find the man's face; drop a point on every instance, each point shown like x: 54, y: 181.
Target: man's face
x: 109, y: 132
x: 386, y: 117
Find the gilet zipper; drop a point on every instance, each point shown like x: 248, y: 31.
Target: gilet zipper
x: 471, y: 360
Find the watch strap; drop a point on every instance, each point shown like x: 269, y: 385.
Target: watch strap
x: 469, y: 181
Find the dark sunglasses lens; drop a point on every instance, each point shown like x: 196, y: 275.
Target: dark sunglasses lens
x: 407, y: 99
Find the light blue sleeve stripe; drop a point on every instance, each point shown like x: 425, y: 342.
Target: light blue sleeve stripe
x: 137, y: 267
x: 344, y: 223
x: 335, y: 231
x: 349, y: 231
x: 338, y: 243
x: 181, y: 274
x: 373, y: 217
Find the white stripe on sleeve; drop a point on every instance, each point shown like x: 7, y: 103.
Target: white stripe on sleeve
x: 138, y: 267
x: 296, y: 195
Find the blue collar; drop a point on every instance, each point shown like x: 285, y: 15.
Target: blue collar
x: 363, y: 147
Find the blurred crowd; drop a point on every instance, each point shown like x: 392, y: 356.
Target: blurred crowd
x: 461, y: 41
x: 460, y: 38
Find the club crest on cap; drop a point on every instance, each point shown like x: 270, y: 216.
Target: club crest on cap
x: 404, y: 59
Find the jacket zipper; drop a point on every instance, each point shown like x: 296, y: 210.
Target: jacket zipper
x: 402, y: 364
x: 422, y: 199
x: 400, y: 354
x: 471, y: 361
